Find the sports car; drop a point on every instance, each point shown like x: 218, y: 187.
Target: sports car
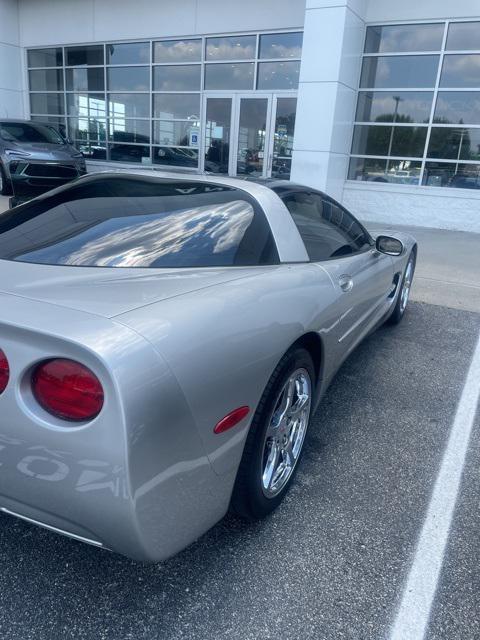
x: 164, y: 343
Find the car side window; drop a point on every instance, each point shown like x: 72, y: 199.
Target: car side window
x: 327, y: 230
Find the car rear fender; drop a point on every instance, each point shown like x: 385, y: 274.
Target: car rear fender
x: 114, y: 480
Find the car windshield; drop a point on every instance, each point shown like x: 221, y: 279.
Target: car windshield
x: 26, y: 132
x: 137, y: 221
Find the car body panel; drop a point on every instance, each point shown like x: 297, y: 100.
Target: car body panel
x: 33, y: 168
x: 106, y: 292
x: 175, y: 350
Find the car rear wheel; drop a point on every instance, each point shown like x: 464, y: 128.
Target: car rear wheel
x: 276, y: 438
x: 404, y: 293
x: 5, y: 187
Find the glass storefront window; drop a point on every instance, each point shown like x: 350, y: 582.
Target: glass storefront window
x: 81, y: 56
x: 58, y: 123
x: 402, y: 106
x: 81, y: 79
x: 120, y: 99
x: 461, y: 71
x: 234, y: 76
x: 231, y: 48
x: 176, y: 106
x: 400, y: 38
x: 454, y: 142
x: 87, y: 129
x: 402, y: 72
x: 86, y: 104
x: 278, y: 75
x: 128, y: 78
x: 130, y: 153
x: 401, y: 98
x: 457, y: 107
x: 45, y: 58
x: 281, y: 45
x: 177, y: 78
x: 128, y: 53
x: 178, y: 133
x: 385, y: 171
x: 46, y: 103
x: 175, y: 51
x: 377, y: 140
x: 91, y: 150
x: 129, y: 105
x: 453, y: 174
x: 128, y: 131
x: 463, y: 36
x: 175, y: 156
x: 46, y: 80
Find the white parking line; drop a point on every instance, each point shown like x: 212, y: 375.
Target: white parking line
x: 413, y: 615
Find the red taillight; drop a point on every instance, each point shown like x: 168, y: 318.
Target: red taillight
x: 4, y: 371
x: 231, y: 419
x: 67, y: 389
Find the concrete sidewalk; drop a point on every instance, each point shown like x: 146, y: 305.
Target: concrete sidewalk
x: 448, y: 267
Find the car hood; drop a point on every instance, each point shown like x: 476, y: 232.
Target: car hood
x: 110, y: 291
x: 45, y: 150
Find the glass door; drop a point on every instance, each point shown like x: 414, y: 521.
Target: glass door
x: 252, y: 135
x: 248, y: 134
x: 283, y: 126
x: 217, y: 134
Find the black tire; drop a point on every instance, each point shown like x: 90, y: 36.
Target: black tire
x: 248, y: 498
x: 5, y: 186
x: 399, y: 311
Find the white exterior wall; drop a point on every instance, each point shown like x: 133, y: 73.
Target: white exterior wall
x: 332, y: 45
x: 333, y: 42
x: 83, y: 21
x: 443, y: 208
x: 11, y: 69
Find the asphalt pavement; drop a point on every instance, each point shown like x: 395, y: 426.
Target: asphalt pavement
x: 448, y: 266
x: 332, y: 562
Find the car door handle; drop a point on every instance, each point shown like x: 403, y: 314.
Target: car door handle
x: 346, y: 283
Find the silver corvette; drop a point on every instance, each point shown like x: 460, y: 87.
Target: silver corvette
x: 164, y: 342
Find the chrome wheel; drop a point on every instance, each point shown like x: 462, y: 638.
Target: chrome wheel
x: 286, y: 432
x: 406, y: 286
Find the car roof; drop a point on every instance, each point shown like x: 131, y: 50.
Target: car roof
x: 279, y: 183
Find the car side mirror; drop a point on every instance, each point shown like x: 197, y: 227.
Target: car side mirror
x: 390, y: 246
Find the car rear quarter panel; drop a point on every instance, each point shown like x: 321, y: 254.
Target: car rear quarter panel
x: 136, y: 478
x: 223, y: 343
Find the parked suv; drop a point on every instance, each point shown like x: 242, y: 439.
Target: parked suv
x: 34, y: 158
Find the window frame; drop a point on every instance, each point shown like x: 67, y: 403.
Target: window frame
x: 438, y: 89
x: 150, y: 91
x: 369, y: 244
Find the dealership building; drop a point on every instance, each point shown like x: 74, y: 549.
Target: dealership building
x: 375, y: 102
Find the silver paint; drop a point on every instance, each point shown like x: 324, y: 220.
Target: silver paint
x: 175, y: 350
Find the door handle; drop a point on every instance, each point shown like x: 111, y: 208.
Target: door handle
x: 346, y: 283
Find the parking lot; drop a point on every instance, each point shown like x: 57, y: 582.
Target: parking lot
x: 332, y: 562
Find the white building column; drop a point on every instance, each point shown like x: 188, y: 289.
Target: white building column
x: 332, y: 46
x: 11, y: 73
